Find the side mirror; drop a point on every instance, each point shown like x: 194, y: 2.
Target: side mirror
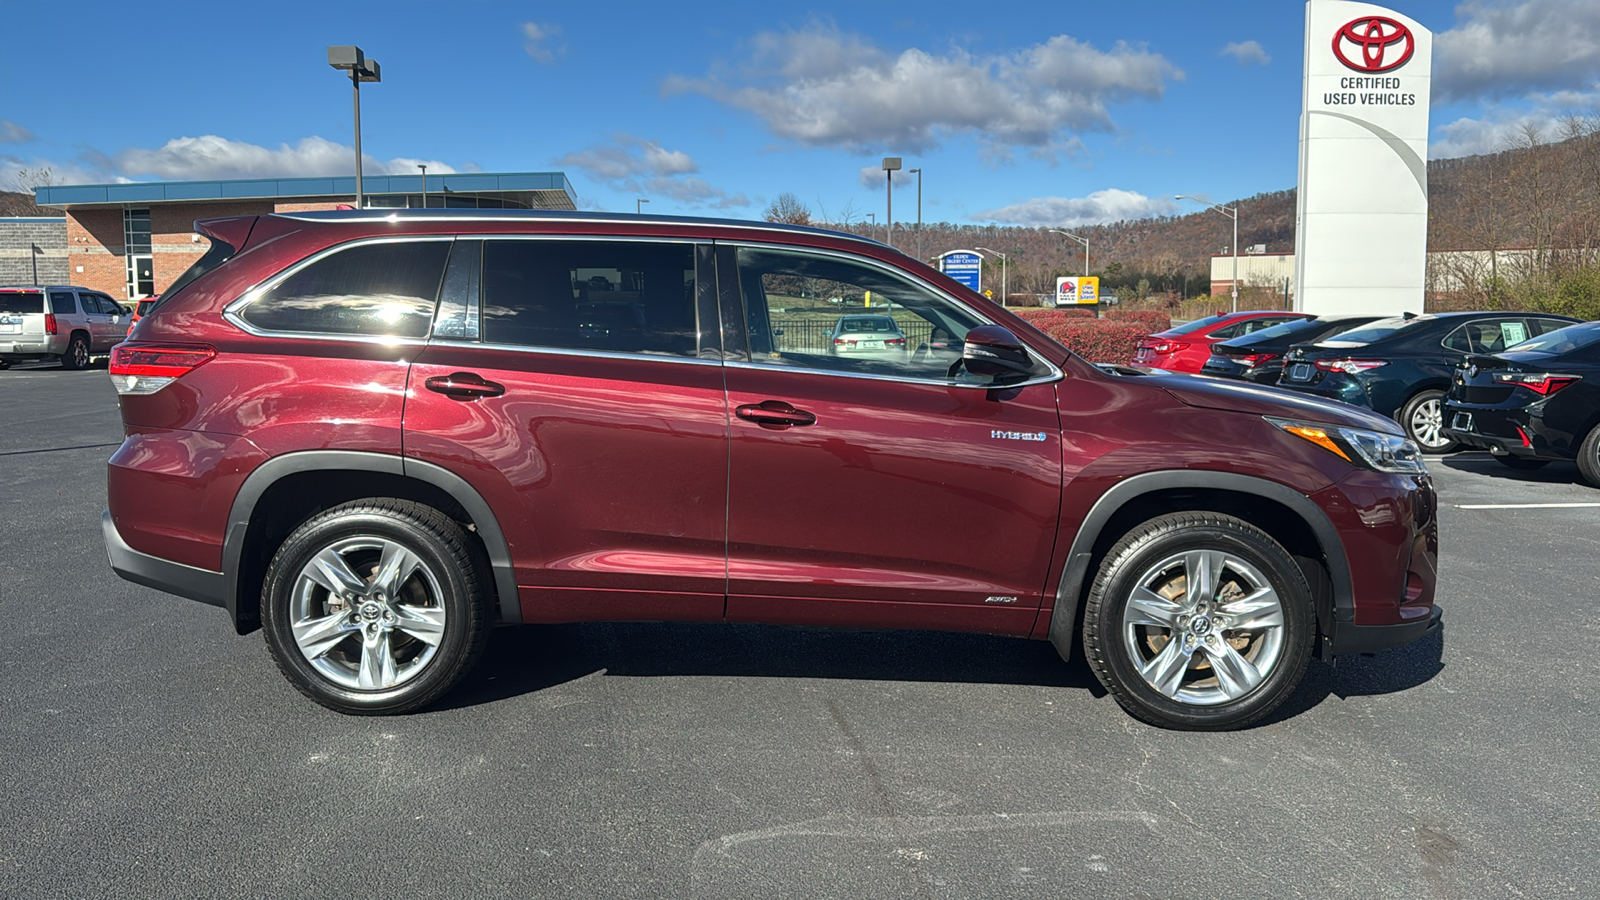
x: 994, y: 351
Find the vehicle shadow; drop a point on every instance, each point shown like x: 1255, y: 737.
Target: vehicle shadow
x: 1389, y: 672
x: 1485, y: 465
x: 532, y: 658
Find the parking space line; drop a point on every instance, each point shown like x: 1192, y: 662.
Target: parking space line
x: 1526, y: 505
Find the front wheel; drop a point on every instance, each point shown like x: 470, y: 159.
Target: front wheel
x: 1199, y: 621
x: 376, y: 607
x: 77, y: 355
x: 1423, y: 420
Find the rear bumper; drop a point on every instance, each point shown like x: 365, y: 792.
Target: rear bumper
x: 162, y: 574
x: 1349, y: 638
x: 49, y: 345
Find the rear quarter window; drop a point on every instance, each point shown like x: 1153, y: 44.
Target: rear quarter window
x: 386, y: 289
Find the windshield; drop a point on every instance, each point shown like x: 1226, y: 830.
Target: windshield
x: 21, y: 302
x: 1562, y: 340
x: 873, y: 324
x: 1376, y: 331
x: 1196, y: 325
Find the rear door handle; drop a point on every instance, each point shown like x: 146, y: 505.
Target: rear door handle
x: 464, y: 386
x: 775, y: 414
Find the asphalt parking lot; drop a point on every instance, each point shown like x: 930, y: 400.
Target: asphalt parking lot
x: 150, y: 752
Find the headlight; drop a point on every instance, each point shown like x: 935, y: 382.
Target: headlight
x: 1372, y: 449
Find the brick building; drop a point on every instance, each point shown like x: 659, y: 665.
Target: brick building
x: 133, y: 240
x: 33, y: 251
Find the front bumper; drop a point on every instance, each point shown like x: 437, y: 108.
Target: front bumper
x: 1350, y: 638
x: 162, y: 574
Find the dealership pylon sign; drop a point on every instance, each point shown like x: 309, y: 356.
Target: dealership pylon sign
x: 1361, y: 238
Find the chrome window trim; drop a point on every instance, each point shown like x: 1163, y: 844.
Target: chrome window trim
x: 461, y: 344
x: 231, y: 312
x: 1055, y: 373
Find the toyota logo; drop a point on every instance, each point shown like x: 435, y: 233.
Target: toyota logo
x: 1377, y: 43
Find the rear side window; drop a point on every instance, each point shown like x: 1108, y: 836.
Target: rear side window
x: 371, y: 290
x: 616, y: 296
x: 23, y: 302
x: 62, y: 303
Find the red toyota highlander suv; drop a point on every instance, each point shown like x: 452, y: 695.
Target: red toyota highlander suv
x: 377, y: 435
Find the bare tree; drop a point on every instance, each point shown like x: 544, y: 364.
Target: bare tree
x: 25, y: 180
x: 788, y: 209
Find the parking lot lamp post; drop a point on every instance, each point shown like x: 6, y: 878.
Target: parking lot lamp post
x: 1082, y: 241
x: 872, y: 218
x: 349, y: 58
x: 1004, y: 287
x: 891, y: 165
x: 424, y: 184
x: 918, y: 173
x: 638, y: 205
x: 1232, y: 212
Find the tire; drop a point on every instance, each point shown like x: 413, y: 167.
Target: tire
x: 1172, y: 684
x: 370, y: 652
x: 77, y: 355
x: 1423, y: 418
x: 1589, y: 457
x: 1521, y: 464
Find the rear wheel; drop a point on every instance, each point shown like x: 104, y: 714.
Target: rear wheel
x: 77, y: 355
x: 1521, y: 464
x: 1199, y: 621
x: 1589, y: 457
x: 1423, y: 420
x: 377, y: 606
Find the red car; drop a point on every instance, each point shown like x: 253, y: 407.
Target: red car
x: 141, y: 310
x: 376, y: 436
x: 1187, y: 347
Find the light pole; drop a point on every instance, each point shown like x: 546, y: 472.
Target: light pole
x: 1004, y: 287
x: 918, y: 173
x: 1232, y: 212
x: 873, y: 218
x: 1080, y: 240
x: 351, y: 59
x: 638, y: 205
x: 424, y: 184
x: 891, y: 165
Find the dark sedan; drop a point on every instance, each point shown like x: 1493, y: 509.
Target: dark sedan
x: 1401, y: 367
x: 1258, y: 357
x: 1535, y: 403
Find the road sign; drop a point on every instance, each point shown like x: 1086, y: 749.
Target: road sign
x: 964, y: 266
x: 1078, y: 290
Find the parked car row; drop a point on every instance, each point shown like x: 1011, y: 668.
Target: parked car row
x: 1521, y: 385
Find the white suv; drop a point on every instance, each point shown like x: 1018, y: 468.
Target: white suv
x: 58, y: 322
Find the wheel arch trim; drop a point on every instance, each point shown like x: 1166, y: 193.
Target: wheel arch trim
x: 1069, y: 590
x: 279, y: 467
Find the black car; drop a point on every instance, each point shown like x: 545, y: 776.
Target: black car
x: 1401, y: 367
x: 1258, y: 357
x: 1537, y: 402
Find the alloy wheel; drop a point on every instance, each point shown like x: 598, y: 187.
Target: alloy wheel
x: 1427, y: 424
x: 1204, y: 627
x: 367, y: 613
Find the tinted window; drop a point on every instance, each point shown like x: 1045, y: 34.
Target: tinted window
x: 385, y: 289
x: 21, y: 302
x: 1228, y: 331
x: 1377, y: 331
x: 617, y: 296
x: 1255, y: 326
x: 1196, y: 325
x: 1564, y: 340
x: 1285, y: 329
x: 218, y: 253
x: 63, y: 304
x: 795, y: 308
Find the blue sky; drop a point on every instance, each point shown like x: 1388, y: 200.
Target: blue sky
x: 1032, y: 113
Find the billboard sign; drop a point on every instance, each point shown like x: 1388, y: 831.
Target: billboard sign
x: 965, y: 266
x: 1075, y: 290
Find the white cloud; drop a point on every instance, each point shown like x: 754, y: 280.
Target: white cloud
x: 1099, y: 207
x: 629, y: 156
x: 537, y: 42
x: 820, y: 87
x: 1503, y: 127
x: 1506, y: 49
x: 693, y: 192
x: 1246, y: 52
x: 12, y: 133
x: 210, y: 156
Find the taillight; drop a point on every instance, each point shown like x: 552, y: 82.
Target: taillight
x: 1349, y: 366
x: 838, y: 340
x: 1256, y: 359
x: 1167, y: 346
x: 49, y: 323
x: 896, y: 342
x: 1541, y: 384
x: 147, y: 368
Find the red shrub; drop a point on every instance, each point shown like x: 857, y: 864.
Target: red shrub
x: 1099, y: 341
x: 1145, y: 318
x: 1041, y: 317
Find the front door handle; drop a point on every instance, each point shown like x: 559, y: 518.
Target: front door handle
x: 464, y: 386
x: 775, y: 414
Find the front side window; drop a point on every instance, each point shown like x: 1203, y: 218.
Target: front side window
x: 370, y: 290
x: 824, y: 312
x: 610, y: 296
